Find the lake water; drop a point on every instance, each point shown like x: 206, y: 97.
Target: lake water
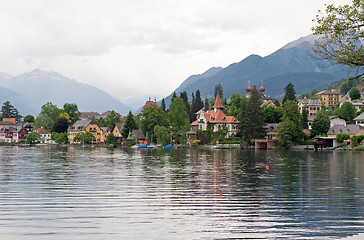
x: 100, y: 193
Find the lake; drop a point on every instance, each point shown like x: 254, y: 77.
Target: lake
x: 104, y: 193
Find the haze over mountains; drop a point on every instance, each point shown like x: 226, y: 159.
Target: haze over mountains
x: 292, y: 63
x: 29, y: 91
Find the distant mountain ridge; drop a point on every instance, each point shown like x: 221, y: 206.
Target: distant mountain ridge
x: 293, y: 63
x: 39, y: 87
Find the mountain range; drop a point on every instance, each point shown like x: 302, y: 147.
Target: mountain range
x: 29, y: 91
x: 294, y: 62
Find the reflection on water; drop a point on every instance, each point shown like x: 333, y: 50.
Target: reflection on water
x: 100, y: 193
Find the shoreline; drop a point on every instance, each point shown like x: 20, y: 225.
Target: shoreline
x: 202, y: 147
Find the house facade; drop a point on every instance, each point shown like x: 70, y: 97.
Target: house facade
x: 359, y: 120
x: 13, y: 134
x: 351, y: 129
x: 45, y: 135
x: 312, y: 106
x: 228, y: 124
x: 329, y: 98
x: 83, y: 126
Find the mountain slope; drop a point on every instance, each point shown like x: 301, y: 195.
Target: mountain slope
x: 292, y: 63
x: 40, y: 87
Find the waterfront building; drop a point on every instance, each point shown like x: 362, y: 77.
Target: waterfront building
x: 228, y: 124
x: 312, y: 106
x: 83, y: 126
x: 329, y: 98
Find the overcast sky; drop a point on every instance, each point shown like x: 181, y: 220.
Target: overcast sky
x: 145, y: 48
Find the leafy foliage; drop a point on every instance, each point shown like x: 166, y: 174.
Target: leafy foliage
x: 341, y: 30
x: 320, y: 125
x: 290, y: 129
x: 72, y: 110
x: 341, y: 137
x: 59, y: 137
x: 129, y: 124
x: 151, y: 117
x: 61, y: 125
x: 178, y: 117
x: 354, y: 93
x: 347, y: 111
x: 111, y: 119
x: 84, y: 137
x: 33, y: 137
x: 162, y: 135
x: 272, y: 114
x: 29, y: 118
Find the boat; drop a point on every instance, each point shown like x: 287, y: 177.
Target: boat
x: 168, y: 146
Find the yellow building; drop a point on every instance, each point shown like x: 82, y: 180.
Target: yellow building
x: 329, y: 98
x: 118, y: 130
x: 83, y: 126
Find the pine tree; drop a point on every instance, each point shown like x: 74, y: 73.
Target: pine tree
x: 184, y: 97
x: 129, y: 125
x: 163, y: 105
x: 9, y: 111
x: 304, y: 119
x: 207, y: 105
x: 252, y: 118
x: 290, y: 93
x: 198, y: 102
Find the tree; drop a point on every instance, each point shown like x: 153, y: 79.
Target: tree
x: 59, y: 137
x: 151, y: 117
x: 33, y: 137
x: 354, y: 93
x: 129, y: 125
x: 29, y: 118
x: 290, y: 93
x: 235, y: 105
x: 110, y: 138
x: 320, y: 125
x: 184, y: 97
x: 48, y: 116
x: 72, y: 110
x: 218, y: 90
x: 9, y: 111
x: 51, y: 110
x: 163, y: 105
x: 341, y: 137
x: 354, y: 141
x: 207, y: 105
x: 178, y: 116
x: 341, y: 32
x: 162, y: 135
x: 196, y: 105
x: 82, y: 137
x: 272, y: 114
x: 61, y: 125
x: 252, y: 117
x: 347, y: 112
x: 111, y: 119
x: 290, y: 130
x: 305, y: 119
x: 43, y: 121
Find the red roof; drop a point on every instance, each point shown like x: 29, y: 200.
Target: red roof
x: 218, y: 103
x: 217, y: 117
x: 149, y: 103
x: 42, y: 131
